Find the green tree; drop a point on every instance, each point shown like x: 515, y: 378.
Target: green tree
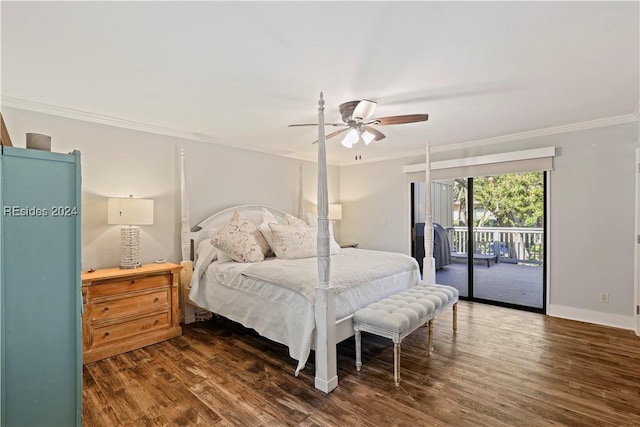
x: 514, y: 200
x: 460, y: 196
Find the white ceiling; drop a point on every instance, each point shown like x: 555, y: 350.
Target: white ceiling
x: 238, y: 73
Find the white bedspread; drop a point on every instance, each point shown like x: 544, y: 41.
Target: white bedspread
x: 276, y: 297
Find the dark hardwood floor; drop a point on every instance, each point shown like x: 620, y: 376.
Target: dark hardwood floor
x: 502, y: 368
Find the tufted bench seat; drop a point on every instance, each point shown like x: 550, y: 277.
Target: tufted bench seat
x: 396, y: 316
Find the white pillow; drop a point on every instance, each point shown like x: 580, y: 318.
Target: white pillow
x: 267, y: 218
x: 293, y: 241
x: 205, y: 252
x: 241, y: 240
x: 333, y: 245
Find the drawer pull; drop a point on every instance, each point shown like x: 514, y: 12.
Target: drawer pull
x: 156, y: 322
x: 132, y: 282
x: 106, y: 334
x: 156, y: 299
x: 106, y: 309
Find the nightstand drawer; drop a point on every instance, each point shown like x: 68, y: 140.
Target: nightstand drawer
x: 109, y: 288
x: 130, y: 305
x: 108, y: 334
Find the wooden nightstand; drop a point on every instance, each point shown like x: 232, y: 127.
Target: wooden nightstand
x: 128, y: 309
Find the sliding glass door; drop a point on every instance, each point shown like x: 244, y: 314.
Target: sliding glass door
x: 489, y: 237
x: 508, y: 239
x: 449, y: 204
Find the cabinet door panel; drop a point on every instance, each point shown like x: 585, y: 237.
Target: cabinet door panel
x: 40, y: 290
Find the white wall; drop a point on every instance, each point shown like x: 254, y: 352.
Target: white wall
x: 375, y: 205
x: 117, y: 162
x: 591, y: 234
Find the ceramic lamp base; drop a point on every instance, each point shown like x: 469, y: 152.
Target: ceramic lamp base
x: 130, y: 247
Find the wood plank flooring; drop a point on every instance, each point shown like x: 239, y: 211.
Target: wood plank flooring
x: 503, y: 368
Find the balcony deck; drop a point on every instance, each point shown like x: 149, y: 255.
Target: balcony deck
x: 508, y: 283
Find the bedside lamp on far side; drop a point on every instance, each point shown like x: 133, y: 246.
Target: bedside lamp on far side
x: 130, y: 212
x: 335, y: 212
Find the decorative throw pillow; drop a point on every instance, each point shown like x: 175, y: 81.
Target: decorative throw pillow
x: 223, y: 256
x: 294, y: 241
x: 241, y: 240
x: 293, y: 220
x: 207, y: 253
x: 267, y: 218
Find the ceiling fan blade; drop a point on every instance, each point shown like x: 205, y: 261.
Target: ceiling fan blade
x: 364, y: 109
x: 361, y: 110
x: 377, y: 134
x: 346, y: 109
x: 332, y: 134
x: 315, y: 124
x: 398, y: 120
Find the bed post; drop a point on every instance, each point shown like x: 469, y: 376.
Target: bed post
x: 300, y: 193
x: 429, y: 263
x: 185, y: 244
x: 326, y: 359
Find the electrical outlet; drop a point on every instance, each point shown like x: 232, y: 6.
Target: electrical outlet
x: 604, y: 296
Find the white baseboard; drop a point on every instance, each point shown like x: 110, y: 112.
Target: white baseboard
x: 590, y: 316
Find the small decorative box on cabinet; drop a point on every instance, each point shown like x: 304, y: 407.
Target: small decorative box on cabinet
x: 128, y: 309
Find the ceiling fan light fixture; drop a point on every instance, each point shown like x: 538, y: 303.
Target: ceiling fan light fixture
x: 367, y: 137
x: 364, y: 109
x: 350, y: 138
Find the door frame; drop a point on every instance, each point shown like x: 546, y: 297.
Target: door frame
x: 636, y: 267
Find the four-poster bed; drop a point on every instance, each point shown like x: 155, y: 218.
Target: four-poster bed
x: 304, y: 315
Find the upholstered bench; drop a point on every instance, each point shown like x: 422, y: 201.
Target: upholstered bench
x: 448, y: 296
x: 398, y: 315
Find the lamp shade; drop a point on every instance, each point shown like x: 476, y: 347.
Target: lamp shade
x: 335, y: 212
x: 129, y: 211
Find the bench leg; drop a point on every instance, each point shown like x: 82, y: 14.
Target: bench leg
x: 455, y: 317
x: 396, y: 363
x: 358, y: 350
x: 432, y: 327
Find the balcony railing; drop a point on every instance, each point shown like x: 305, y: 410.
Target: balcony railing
x: 512, y: 244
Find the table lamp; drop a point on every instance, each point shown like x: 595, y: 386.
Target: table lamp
x: 130, y: 212
x: 335, y: 212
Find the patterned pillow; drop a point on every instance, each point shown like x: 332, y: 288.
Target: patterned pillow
x: 241, y: 240
x: 293, y: 220
x: 293, y: 241
x: 297, y: 239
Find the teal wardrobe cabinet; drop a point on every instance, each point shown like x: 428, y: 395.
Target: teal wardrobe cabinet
x: 40, y: 289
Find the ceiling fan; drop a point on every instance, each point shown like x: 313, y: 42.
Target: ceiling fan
x: 358, y: 123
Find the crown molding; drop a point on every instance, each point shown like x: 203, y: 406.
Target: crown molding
x: 574, y: 127
x: 87, y: 116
